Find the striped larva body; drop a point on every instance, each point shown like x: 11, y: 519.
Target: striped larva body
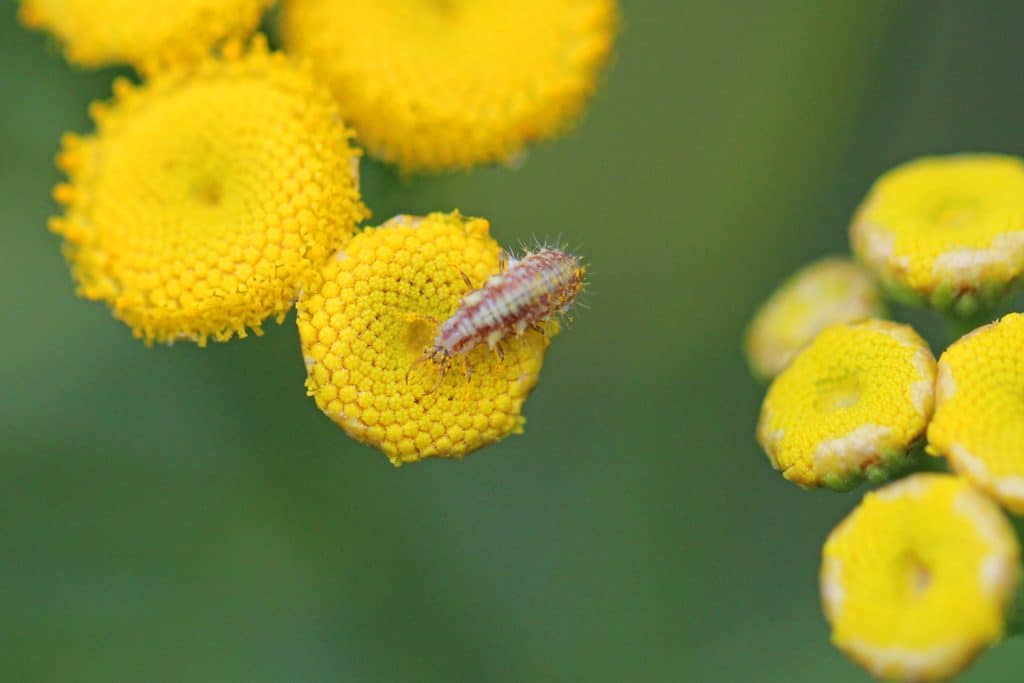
x: 524, y: 294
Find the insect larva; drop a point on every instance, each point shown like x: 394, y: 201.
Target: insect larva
x: 524, y: 293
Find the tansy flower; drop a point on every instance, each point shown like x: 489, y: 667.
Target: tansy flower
x: 101, y: 32
x: 207, y: 196
x: 946, y: 230
x: 918, y: 579
x: 440, y: 84
x: 365, y: 328
x: 850, y: 404
x: 829, y: 291
x: 979, y: 425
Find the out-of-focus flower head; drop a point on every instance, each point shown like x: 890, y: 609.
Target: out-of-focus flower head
x: 918, y: 579
x: 947, y: 231
x: 145, y: 34
x: 439, y: 84
x: 979, y: 424
x: 365, y: 327
x: 850, y: 405
x: 208, y: 195
x: 827, y: 292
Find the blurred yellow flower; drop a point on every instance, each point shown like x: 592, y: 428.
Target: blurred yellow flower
x: 207, y: 196
x: 144, y: 34
x: 850, y: 404
x: 979, y: 424
x: 946, y: 230
x: 918, y: 579
x: 365, y: 327
x: 827, y: 292
x: 440, y: 84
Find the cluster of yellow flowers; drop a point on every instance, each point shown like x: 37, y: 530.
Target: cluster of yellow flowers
x: 221, y: 188
x: 922, y: 574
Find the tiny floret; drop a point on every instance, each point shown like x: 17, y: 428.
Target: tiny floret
x: 850, y: 405
x: 917, y: 580
x: 144, y: 33
x: 208, y: 196
x: 371, y: 328
x: 827, y: 292
x: 947, y: 231
x: 440, y: 84
x: 979, y: 423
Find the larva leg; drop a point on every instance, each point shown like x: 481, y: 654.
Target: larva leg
x: 538, y: 329
x: 502, y: 262
x: 465, y: 278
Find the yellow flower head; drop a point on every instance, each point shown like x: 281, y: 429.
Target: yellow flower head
x: 827, y: 292
x: 918, y: 579
x: 440, y: 84
x: 946, y: 230
x: 141, y: 33
x: 978, y: 421
x: 850, y: 404
x: 365, y: 327
x: 207, y: 196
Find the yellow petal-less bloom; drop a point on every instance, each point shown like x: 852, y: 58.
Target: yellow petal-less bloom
x: 946, y: 230
x: 441, y: 84
x: 978, y: 424
x: 850, y: 404
x: 829, y: 291
x: 144, y: 34
x: 918, y: 578
x: 207, y: 196
x: 365, y: 328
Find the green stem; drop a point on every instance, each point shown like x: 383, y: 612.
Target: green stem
x: 1015, y: 614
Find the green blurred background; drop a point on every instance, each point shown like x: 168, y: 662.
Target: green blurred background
x: 176, y: 514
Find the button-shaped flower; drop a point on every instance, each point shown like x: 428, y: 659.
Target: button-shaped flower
x: 827, y: 292
x: 144, y: 34
x: 439, y: 84
x: 851, y: 404
x: 978, y: 424
x: 366, y: 326
x: 207, y: 196
x: 918, y: 579
x: 945, y: 230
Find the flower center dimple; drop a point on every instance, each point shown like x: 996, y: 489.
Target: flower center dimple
x: 954, y: 213
x: 419, y: 334
x: 208, y: 191
x: 917, y: 576
x: 837, y: 392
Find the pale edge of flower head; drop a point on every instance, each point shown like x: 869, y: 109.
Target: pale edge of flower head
x: 946, y: 232
x: 851, y: 405
x: 918, y: 579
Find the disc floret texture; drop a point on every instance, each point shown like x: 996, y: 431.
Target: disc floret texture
x: 829, y: 291
x: 441, y: 84
x: 851, y: 404
x: 365, y: 328
x: 978, y: 424
x: 207, y: 196
x: 145, y: 34
x: 948, y: 231
x: 918, y: 579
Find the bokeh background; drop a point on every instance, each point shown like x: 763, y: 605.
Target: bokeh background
x: 173, y: 514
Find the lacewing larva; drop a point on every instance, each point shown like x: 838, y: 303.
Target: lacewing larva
x: 523, y: 294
